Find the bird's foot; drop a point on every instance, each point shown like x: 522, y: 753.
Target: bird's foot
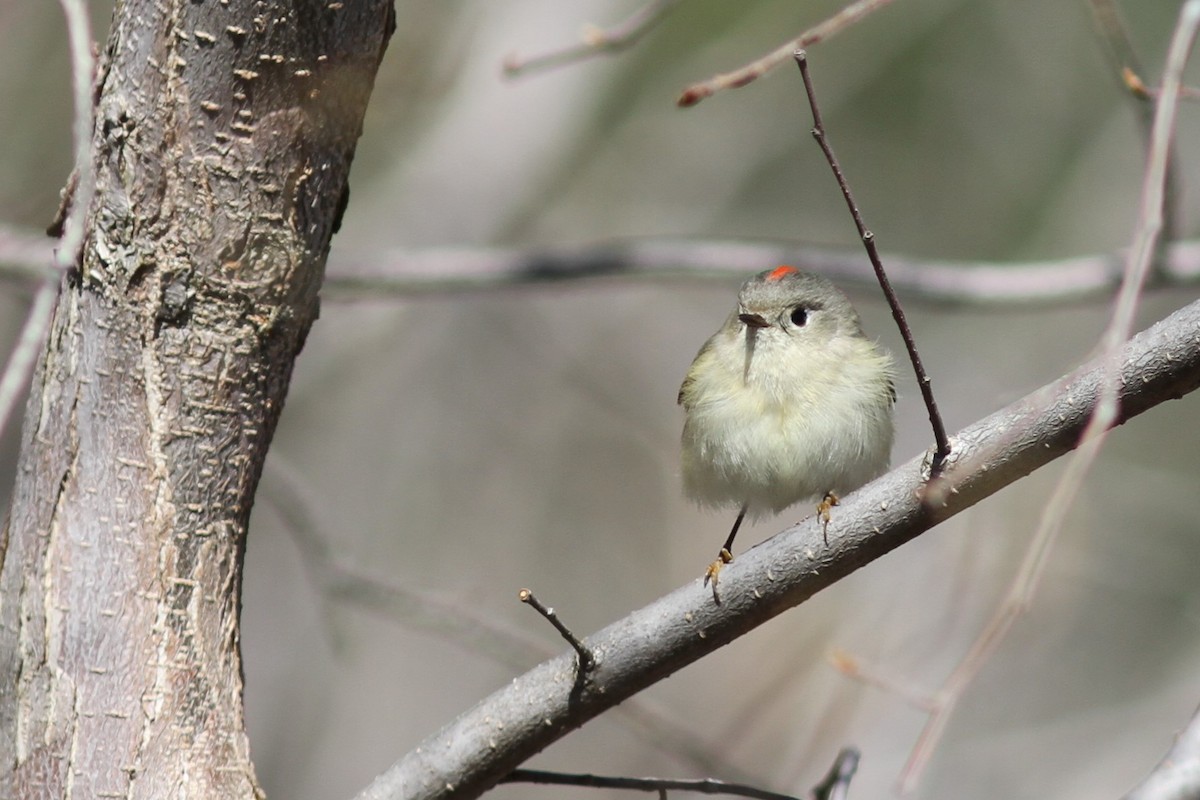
x: 823, y: 508
x: 714, y: 569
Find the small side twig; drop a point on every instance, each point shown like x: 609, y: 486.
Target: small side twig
x: 586, y: 659
x: 868, y: 238
x: 1112, y: 30
x: 1114, y: 33
x: 596, y: 41
x: 836, y: 785
x: 849, y: 15
x: 854, y: 667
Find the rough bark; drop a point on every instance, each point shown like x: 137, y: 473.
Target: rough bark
x: 222, y: 139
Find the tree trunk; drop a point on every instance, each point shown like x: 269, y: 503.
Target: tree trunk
x: 222, y: 139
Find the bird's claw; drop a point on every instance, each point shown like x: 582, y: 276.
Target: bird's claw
x: 714, y: 569
x: 823, y: 508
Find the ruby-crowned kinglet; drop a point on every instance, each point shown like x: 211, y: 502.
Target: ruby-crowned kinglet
x: 789, y: 401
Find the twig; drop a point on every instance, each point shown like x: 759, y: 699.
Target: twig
x: 1177, y: 776
x: 833, y: 786
x: 1114, y: 33
x: 701, y: 786
x: 849, y: 15
x: 595, y: 41
x: 836, y: 785
x: 586, y: 659
x: 923, y: 380
x: 1103, y: 417
x: 853, y: 667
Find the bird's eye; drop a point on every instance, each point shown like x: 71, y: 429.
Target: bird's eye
x: 799, y: 316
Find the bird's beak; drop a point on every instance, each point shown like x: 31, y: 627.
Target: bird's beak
x: 754, y: 320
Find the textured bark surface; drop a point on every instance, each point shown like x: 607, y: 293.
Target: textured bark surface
x: 222, y: 140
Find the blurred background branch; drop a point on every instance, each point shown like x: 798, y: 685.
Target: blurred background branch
x: 404, y: 272
x: 594, y: 41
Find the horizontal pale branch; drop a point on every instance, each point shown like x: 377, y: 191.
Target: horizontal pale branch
x: 444, y: 270
x: 483, y: 745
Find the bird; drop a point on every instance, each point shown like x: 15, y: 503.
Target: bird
x: 789, y: 401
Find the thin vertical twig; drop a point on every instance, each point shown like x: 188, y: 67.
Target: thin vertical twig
x: 868, y: 239
x: 79, y: 36
x: 1118, y: 44
x: 1146, y: 232
x: 19, y: 365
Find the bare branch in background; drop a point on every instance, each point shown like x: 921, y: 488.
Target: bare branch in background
x: 1102, y: 419
x: 595, y: 41
x: 1114, y: 33
x: 453, y: 270
x: 408, y: 272
x: 339, y: 580
x: 849, y: 15
x: 19, y: 365
x: 854, y: 667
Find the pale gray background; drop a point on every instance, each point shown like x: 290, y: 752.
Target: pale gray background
x: 469, y: 445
